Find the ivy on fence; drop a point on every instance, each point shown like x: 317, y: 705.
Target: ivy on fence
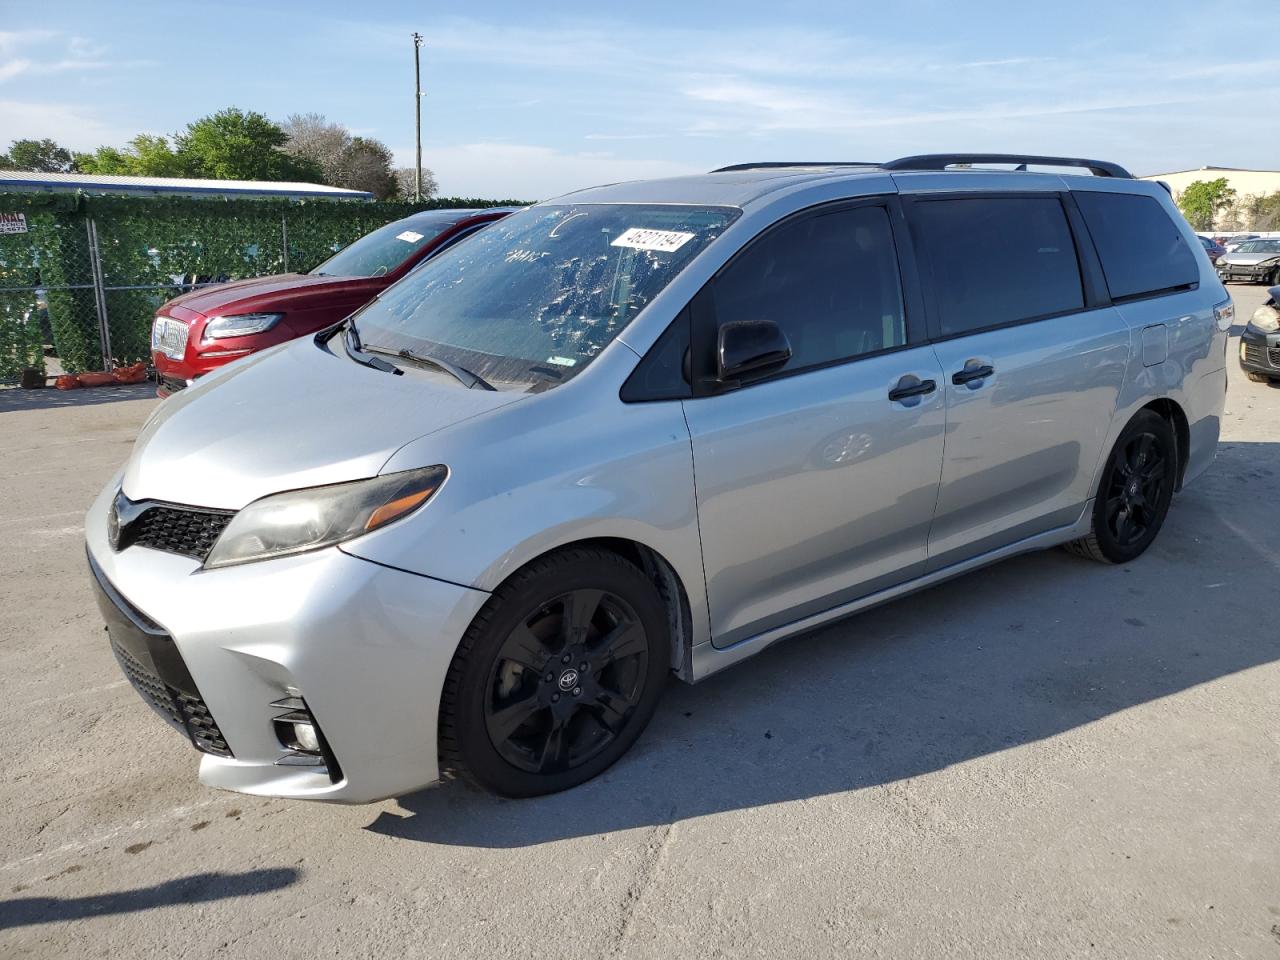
x: 151, y: 249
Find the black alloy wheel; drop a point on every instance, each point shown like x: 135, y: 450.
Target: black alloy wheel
x: 1139, y: 472
x: 1136, y: 489
x: 566, y: 681
x: 557, y: 675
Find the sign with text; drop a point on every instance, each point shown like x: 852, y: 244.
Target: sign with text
x: 13, y: 223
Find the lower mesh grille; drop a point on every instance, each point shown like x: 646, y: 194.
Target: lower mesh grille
x: 183, y: 711
x: 1254, y: 353
x: 1274, y: 353
x: 150, y: 687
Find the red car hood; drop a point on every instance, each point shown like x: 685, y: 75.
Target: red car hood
x: 212, y: 300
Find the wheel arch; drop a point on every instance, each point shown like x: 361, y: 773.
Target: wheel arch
x: 1170, y: 410
x: 666, y: 580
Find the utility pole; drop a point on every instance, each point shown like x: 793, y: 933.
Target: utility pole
x: 417, y: 107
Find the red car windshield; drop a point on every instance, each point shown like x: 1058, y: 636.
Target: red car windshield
x: 378, y: 253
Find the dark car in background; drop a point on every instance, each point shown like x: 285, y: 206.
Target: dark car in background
x: 1254, y: 261
x: 1260, y: 342
x: 206, y: 328
x: 1212, y: 248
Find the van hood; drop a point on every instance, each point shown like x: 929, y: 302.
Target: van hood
x: 211, y: 300
x: 293, y: 416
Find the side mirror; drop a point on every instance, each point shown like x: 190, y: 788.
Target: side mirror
x: 749, y: 347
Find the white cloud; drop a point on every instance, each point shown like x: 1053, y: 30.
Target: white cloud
x: 70, y: 126
x: 528, y: 172
x: 44, y: 52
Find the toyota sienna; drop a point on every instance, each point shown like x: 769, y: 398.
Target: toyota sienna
x: 648, y: 429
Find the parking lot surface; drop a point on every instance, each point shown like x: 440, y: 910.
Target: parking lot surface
x: 1047, y: 758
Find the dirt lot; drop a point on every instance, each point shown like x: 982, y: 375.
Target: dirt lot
x: 1047, y: 758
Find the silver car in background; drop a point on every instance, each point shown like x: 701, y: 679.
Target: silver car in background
x: 1253, y: 261
x: 645, y: 429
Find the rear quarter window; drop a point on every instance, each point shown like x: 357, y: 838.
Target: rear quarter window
x: 1142, y: 250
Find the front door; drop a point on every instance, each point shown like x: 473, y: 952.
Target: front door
x: 814, y: 487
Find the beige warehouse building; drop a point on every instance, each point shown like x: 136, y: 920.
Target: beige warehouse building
x: 1246, y: 183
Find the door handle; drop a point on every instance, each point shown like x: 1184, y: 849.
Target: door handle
x: 969, y: 374
x: 911, y: 386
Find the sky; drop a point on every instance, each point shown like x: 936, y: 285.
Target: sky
x: 527, y: 101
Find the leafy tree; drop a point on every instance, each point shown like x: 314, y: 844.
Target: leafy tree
x: 1202, y: 201
x: 41, y: 156
x: 1261, y: 211
x: 366, y: 165
x: 405, y: 181
x: 233, y: 144
x: 145, y: 156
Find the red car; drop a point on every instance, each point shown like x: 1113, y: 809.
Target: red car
x: 1212, y: 248
x: 201, y: 330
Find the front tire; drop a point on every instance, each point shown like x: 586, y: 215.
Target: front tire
x: 1257, y: 377
x: 1134, y: 493
x: 557, y: 676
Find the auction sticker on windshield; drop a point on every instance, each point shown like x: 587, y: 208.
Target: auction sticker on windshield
x: 640, y: 238
x: 409, y: 236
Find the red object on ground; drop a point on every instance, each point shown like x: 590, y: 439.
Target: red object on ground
x: 67, y: 381
x: 132, y: 374
x: 304, y: 302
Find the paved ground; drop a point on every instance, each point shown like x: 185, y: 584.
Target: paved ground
x: 1049, y: 759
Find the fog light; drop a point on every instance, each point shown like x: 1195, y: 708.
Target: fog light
x: 304, y: 738
x: 1242, y: 350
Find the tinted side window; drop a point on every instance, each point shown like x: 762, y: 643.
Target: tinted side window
x: 998, y: 260
x: 1141, y: 248
x: 829, y: 281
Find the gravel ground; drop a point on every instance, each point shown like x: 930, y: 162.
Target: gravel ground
x: 1048, y: 758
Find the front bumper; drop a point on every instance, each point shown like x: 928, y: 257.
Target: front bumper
x: 1249, y: 274
x: 1260, y: 352
x: 366, y: 646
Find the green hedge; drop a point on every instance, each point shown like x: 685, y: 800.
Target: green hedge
x: 156, y: 243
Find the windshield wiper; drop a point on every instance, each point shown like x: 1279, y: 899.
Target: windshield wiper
x: 352, y: 338
x: 461, y: 374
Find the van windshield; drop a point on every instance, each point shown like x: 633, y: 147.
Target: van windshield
x: 532, y: 299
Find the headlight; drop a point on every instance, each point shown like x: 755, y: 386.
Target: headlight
x: 302, y: 520
x: 240, y: 325
x: 1265, y: 320
x: 1270, y: 263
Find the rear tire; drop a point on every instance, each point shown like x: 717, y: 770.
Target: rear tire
x: 1134, y: 493
x: 557, y: 676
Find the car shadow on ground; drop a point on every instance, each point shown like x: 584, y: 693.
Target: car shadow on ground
x: 15, y: 399
x: 198, y: 888
x: 1006, y: 656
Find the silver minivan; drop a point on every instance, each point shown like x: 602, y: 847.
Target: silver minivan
x: 648, y: 429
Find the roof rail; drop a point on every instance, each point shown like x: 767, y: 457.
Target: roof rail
x: 940, y: 161
x: 773, y: 164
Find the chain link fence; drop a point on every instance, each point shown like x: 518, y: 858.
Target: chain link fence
x: 83, y: 275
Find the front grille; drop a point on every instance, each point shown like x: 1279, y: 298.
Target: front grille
x: 1274, y: 354
x: 184, y: 712
x: 185, y: 530
x: 1255, y: 353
